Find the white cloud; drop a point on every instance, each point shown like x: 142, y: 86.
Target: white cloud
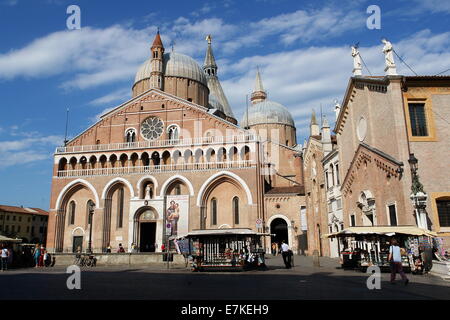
x: 28, y: 150
x: 92, y: 57
x: 120, y: 95
x: 308, y: 78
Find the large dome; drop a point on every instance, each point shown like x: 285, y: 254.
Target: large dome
x: 175, y: 65
x: 267, y: 112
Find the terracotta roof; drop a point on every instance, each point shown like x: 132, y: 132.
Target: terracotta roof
x: 157, y: 42
x: 284, y: 190
x: 14, y: 209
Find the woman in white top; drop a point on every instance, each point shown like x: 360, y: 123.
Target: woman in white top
x: 4, y: 257
x: 395, y: 258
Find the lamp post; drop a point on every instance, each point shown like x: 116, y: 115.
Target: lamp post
x: 91, y: 213
x: 418, y: 196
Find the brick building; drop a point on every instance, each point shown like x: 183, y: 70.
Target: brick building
x: 173, y: 159
x: 385, y: 123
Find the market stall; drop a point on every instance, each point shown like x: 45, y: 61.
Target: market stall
x: 226, y: 249
x: 369, y: 246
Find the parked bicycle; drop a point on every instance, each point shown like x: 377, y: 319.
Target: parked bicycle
x: 85, y: 260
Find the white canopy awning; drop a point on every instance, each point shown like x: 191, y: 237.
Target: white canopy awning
x: 229, y: 231
x: 382, y: 230
x: 6, y: 239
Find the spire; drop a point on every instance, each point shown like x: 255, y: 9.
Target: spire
x: 157, y: 61
x: 217, y: 98
x: 157, y: 42
x: 313, y: 118
x: 314, y: 127
x: 259, y: 94
x: 325, y: 122
x: 258, y: 82
x: 210, y: 62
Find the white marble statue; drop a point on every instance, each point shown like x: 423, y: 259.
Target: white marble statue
x: 388, y: 51
x: 148, y: 192
x: 357, y: 64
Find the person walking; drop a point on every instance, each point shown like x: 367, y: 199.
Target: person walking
x: 286, y: 254
x: 4, y: 258
x: 41, y: 257
x: 36, y: 255
x: 395, y: 259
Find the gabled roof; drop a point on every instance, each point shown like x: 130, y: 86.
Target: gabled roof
x: 393, y: 169
x: 163, y: 93
x: 14, y: 209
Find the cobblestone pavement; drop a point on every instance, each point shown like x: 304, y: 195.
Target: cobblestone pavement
x: 303, y: 281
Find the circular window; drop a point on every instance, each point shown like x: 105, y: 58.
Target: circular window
x: 361, y: 129
x: 152, y: 128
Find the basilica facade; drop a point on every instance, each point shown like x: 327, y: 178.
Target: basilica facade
x: 173, y: 159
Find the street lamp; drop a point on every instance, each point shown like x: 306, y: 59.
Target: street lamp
x: 91, y: 206
x: 418, y: 196
x: 413, y: 163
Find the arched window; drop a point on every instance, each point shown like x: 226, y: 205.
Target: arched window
x: 72, y: 208
x: 130, y: 135
x: 236, y: 210
x: 213, y: 211
x: 332, y: 175
x: 338, y: 182
x: 172, y: 132
x: 120, y: 196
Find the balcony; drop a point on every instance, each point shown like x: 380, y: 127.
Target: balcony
x: 159, y: 144
x: 242, y: 164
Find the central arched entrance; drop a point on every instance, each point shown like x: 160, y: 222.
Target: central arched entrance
x: 279, y: 228
x: 145, y: 226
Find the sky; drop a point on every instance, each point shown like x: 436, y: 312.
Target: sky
x: 302, y: 49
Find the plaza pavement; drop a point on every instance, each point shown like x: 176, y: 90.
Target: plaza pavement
x: 156, y: 282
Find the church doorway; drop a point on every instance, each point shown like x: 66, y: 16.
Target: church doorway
x: 279, y: 228
x: 145, y: 226
x: 77, y: 242
x: 147, y: 237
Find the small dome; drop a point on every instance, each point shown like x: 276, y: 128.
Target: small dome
x: 267, y: 112
x: 175, y: 65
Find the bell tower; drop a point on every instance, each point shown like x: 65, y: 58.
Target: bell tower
x: 157, y: 50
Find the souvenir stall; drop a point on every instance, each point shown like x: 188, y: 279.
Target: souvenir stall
x: 226, y: 249
x: 369, y: 246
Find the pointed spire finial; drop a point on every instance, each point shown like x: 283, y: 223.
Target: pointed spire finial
x: 258, y: 82
x: 325, y: 123
x: 157, y: 42
x: 210, y: 66
x: 258, y: 94
x: 313, y: 117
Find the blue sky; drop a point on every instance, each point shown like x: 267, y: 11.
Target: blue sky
x: 301, y: 47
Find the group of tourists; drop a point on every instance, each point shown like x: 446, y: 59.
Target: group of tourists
x: 24, y: 256
x: 41, y: 257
